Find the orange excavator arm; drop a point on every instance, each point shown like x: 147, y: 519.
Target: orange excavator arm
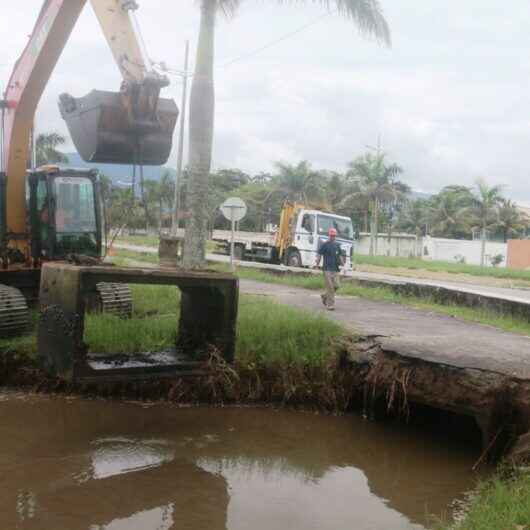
x: 26, y: 85
x: 135, y: 109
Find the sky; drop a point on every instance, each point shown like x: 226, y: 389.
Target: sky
x: 449, y: 101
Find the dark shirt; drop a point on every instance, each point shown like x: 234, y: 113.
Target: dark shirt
x: 331, y: 252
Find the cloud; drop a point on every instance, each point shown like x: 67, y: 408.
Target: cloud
x: 449, y: 100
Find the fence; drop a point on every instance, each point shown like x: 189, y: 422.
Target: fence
x: 432, y: 248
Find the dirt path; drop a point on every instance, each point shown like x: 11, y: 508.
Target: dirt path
x: 415, y: 333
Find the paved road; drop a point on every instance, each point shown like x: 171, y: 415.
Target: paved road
x: 415, y: 333
x: 517, y: 294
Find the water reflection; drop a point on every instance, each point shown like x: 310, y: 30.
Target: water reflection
x: 158, y: 518
x: 74, y: 464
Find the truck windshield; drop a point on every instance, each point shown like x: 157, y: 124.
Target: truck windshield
x: 75, y: 211
x: 344, y: 227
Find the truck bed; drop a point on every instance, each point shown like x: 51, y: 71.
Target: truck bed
x: 244, y: 238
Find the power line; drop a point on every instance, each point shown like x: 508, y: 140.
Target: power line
x: 252, y: 53
x: 279, y: 40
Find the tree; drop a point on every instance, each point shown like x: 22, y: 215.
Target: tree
x: 366, y: 14
x: 414, y: 218
x: 510, y: 220
x: 450, y: 212
x: 159, y: 195
x: 376, y: 185
x: 483, y: 209
x: 297, y: 183
x: 46, y: 147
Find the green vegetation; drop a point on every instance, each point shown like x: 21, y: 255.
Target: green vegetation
x: 26, y: 345
x: 499, y: 504
x: 283, y: 333
x: 120, y: 257
x: 267, y: 331
x: 152, y: 328
x: 442, y: 266
x: 140, y: 241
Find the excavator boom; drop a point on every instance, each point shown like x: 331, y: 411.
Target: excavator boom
x: 133, y: 126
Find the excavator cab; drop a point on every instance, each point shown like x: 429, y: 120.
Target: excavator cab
x: 64, y: 213
x: 111, y: 127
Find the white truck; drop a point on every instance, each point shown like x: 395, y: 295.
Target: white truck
x: 296, y: 242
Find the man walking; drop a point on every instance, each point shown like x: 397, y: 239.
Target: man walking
x: 333, y: 260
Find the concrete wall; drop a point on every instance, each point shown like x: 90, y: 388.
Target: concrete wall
x: 399, y: 245
x: 519, y: 254
x: 439, y: 249
x: 455, y: 250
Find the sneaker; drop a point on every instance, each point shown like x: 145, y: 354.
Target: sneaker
x: 330, y: 308
x: 323, y: 298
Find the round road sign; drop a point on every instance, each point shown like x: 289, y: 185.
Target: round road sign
x: 234, y: 209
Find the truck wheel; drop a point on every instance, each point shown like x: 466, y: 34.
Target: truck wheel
x: 294, y: 259
x: 239, y: 252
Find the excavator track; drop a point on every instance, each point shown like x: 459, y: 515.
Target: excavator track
x: 115, y: 298
x: 14, y: 312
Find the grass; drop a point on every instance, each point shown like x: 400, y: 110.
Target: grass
x: 499, y: 504
x: 141, y: 241
x: 266, y: 331
x: 442, y: 266
x: 152, y: 327
x: 119, y: 256
x: 270, y: 332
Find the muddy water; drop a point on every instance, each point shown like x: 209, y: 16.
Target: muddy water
x: 69, y: 464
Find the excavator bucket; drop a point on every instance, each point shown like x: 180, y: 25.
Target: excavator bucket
x: 101, y: 129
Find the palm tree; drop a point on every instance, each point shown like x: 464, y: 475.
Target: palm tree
x: 376, y: 186
x: 450, y: 212
x: 161, y: 193
x: 510, y: 221
x: 46, y: 147
x: 483, y: 209
x: 414, y: 218
x: 368, y: 17
x: 297, y: 183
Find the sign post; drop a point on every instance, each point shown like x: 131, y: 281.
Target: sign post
x: 233, y: 209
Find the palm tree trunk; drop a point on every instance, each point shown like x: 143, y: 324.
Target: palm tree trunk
x: 376, y: 225
x: 373, y: 229
x: 483, y: 247
x: 202, y: 108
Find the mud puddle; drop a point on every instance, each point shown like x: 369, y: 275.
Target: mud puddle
x: 69, y: 464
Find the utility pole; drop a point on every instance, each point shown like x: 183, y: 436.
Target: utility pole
x: 176, y: 209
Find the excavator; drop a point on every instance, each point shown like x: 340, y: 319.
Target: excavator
x: 50, y: 214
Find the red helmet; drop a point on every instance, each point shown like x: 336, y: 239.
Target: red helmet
x: 332, y: 232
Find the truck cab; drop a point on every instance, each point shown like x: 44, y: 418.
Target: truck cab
x: 311, y: 231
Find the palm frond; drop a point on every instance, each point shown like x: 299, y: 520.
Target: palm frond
x: 367, y: 15
x: 227, y: 7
